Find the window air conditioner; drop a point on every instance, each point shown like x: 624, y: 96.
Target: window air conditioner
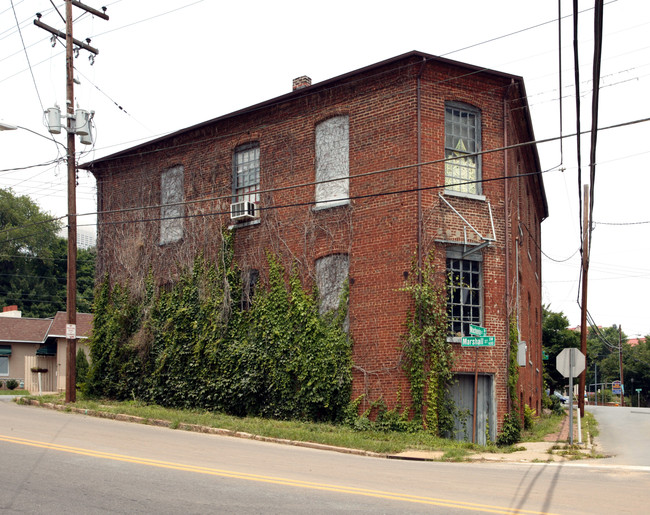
x: 243, y: 211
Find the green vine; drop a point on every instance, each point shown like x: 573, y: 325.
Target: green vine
x: 428, y: 357
x: 511, y: 431
x: 513, y: 366
x: 191, y: 346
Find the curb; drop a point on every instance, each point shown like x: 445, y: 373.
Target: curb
x: 195, y: 428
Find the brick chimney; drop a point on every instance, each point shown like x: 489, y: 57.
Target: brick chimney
x: 301, y: 82
x: 11, y: 312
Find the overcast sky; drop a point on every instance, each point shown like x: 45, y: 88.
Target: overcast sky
x: 164, y: 65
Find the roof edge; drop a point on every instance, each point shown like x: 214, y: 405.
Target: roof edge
x: 297, y: 94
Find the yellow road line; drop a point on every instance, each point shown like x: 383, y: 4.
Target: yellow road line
x: 485, y: 508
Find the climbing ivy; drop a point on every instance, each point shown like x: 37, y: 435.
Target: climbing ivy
x: 513, y: 366
x: 511, y: 430
x: 428, y: 356
x: 191, y: 346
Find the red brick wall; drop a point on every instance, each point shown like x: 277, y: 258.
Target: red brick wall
x: 378, y: 229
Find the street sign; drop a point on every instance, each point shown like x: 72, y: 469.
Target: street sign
x: 545, y: 356
x: 570, y: 362
x: 638, y: 390
x: 477, y: 341
x: 476, y: 330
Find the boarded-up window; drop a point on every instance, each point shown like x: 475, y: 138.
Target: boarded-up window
x: 249, y: 282
x: 331, y: 273
x: 171, y: 216
x: 332, y: 162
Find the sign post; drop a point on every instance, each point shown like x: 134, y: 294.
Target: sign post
x: 570, y: 363
x: 478, y: 338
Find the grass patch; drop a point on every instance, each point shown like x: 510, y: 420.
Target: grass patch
x: 14, y: 392
x: 382, y: 442
x: 542, y: 426
x: 589, y: 426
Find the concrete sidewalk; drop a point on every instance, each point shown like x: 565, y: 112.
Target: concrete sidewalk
x: 553, y: 449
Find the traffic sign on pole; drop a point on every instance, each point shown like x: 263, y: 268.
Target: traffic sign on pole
x: 476, y: 330
x: 570, y: 362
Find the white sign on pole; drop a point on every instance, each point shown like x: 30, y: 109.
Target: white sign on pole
x: 71, y: 331
x: 570, y: 362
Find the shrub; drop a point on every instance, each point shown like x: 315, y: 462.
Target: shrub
x: 529, y: 416
x: 192, y: 345
x: 12, y: 384
x: 82, y: 367
x: 511, y: 432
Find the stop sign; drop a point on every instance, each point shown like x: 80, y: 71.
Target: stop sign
x: 570, y: 362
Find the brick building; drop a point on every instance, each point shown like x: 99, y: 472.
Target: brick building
x: 358, y: 176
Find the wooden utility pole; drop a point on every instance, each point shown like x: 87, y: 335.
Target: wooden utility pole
x: 71, y: 300
x: 620, y: 365
x: 583, y: 318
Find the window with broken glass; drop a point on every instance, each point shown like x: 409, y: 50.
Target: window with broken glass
x: 464, y: 293
x: 462, y: 138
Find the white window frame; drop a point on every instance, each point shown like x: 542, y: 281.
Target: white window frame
x: 462, y: 138
x: 333, y: 162
x: 246, y: 173
x: 172, y: 211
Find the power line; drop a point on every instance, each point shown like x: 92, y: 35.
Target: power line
x: 27, y: 56
x: 356, y: 176
x: 622, y: 223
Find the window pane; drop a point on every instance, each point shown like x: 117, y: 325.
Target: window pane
x: 463, y: 295
x: 461, y: 138
x: 4, y: 366
x: 247, y: 173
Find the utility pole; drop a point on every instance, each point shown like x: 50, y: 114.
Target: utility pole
x: 583, y: 319
x: 71, y: 297
x: 620, y: 365
x: 71, y: 300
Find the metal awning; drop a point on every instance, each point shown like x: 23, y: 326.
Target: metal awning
x: 47, y: 350
x: 5, y: 350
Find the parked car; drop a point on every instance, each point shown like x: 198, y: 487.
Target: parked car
x: 562, y: 398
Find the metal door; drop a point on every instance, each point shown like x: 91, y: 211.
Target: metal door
x: 462, y: 393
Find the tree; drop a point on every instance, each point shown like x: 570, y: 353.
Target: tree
x: 556, y: 336
x: 33, y: 260
x: 603, y: 355
x: 636, y: 361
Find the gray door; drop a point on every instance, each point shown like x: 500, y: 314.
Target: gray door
x: 462, y: 392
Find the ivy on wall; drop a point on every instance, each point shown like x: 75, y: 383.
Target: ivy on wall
x: 511, y: 431
x: 428, y: 357
x: 192, y: 346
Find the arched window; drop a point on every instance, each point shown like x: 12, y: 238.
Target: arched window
x: 246, y: 173
x: 462, y: 138
x: 331, y: 273
x: 172, y: 194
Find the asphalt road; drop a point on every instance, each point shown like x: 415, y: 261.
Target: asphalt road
x: 624, y: 434
x: 53, y: 462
